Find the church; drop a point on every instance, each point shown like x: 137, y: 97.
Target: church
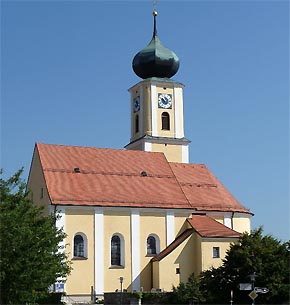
x: 142, y: 217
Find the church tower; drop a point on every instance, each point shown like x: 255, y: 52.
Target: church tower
x: 157, y: 103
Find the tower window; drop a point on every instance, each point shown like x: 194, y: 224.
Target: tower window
x: 165, y: 121
x: 137, y: 123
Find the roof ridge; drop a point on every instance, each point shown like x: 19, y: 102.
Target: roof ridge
x: 98, y: 148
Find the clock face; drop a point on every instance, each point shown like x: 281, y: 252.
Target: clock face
x: 136, y: 104
x: 164, y: 100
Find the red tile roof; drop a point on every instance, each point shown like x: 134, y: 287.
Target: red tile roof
x: 203, y: 190
x: 178, y: 240
x: 112, y: 177
x: 109, y: 177
x: 206, y: 226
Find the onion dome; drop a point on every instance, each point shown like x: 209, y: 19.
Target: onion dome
x: 155, y: 60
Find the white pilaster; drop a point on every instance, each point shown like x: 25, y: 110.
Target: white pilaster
x: 185, y: 154
x: 135, y: 249
x: 141, y: 116
x: 228, y: 220
x: 60, y: 224
x: 169, y: 227
x: 147, y: 146
x: 99, y: 251
x: 154, y: 111
x: 178, y: 112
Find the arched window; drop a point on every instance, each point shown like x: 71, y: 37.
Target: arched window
x: 116, y: 251
x: 80, y: 245
x: 165, y: 121
x: 153, y: 246
x: 136, y: 123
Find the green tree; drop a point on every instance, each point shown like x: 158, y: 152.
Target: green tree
x: 268, y: 257
x: 187, y: 292
x: 31, y: 258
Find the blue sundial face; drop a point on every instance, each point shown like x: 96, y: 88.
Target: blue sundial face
x: 164, y: 101
x: 136, y: 104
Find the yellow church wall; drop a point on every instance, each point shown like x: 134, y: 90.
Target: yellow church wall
x: 173, y: 153
x: 82, y: 275
x: 155, y: 275
x: 179, y: 97
x: 242, y: 223
x: 155, y: 224
x: 143, y: 91
x: 219, y: 219
x: 37, y: 186
x: 207, y: 245
x: 165, y: 133
x: 116, y: 222
x: 180, y: 224
x: 147, y: 127
x: 182, y: 258
x: 197, y: 257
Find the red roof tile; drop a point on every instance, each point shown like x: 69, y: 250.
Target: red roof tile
x: 203, y: 190
x: 206, y: 226
x: 128, y: 178
x: 109, y: 177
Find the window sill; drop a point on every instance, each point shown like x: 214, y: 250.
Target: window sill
x: 79, y: 258
x: 116, y: 267
x: 151, y: 255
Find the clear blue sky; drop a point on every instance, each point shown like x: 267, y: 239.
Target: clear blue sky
x: 66, y: 68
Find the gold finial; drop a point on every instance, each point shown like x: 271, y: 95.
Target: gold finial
x: 154, y: 8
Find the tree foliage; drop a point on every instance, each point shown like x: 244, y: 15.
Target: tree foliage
x: 264, y: 255
x: 31, y: 258
x: 184, y: 293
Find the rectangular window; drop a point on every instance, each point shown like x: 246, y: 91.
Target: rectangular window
x: 177, y: 270
x: 216, y: 252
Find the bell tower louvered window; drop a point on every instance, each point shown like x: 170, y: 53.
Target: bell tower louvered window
x: 165, y: 118
x: 137, y: 123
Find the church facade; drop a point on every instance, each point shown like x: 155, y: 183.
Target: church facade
x: 142, y: 218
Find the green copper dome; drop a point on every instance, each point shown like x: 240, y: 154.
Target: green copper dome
x: 155, y: 60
